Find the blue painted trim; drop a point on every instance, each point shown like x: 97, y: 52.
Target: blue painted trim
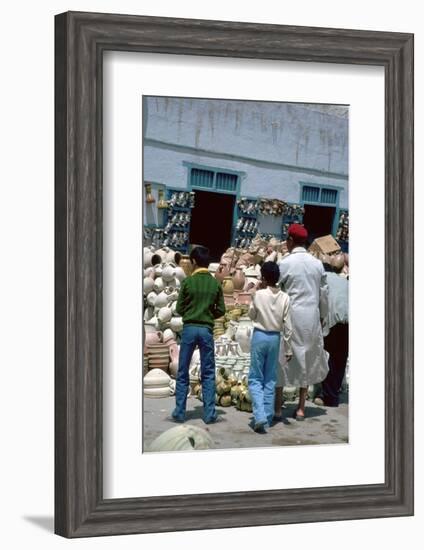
x: 213, y: 189
x: 335, y: 205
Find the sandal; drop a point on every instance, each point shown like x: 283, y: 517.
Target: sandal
x: 298, y: 417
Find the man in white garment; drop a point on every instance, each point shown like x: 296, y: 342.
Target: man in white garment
x: 304, y: 279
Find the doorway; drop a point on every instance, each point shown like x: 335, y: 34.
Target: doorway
x: 318, y: 220
x: 212, y: 222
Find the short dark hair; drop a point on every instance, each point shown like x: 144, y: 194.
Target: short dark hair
x: 200, y: 254
x: 270, y: 272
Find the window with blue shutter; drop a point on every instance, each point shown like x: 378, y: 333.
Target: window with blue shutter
x: 316, y: 194
x: 213, y: 180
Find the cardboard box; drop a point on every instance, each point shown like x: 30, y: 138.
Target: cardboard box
x: 325, y: 245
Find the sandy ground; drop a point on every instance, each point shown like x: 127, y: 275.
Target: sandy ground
x: 323, y: 425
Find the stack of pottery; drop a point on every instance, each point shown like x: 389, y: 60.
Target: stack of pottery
x: 161, y: 287
x: 157, y: 383
x: 158, y: 356
x: 244, y: 298
x: 219, y: 327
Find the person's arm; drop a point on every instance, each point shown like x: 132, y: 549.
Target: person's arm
x: 219, y: 309
x: 287, y: 330
x: 180, y: 308
x: 323, y: 297
x: 252, y: 313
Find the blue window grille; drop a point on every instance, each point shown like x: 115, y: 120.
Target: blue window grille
x: 214, y: 180
x: 226, y: 182
x: 319, y: 195
x: 329, y: 196
x: 202, y: 178
x: 310, y: 194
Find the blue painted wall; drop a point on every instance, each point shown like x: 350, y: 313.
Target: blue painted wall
x: 273, y: 146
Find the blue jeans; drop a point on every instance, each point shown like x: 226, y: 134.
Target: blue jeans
x: 265, y: 347
x: 192, y: 336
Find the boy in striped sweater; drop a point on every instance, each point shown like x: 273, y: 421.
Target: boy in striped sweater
x: 200, y: 302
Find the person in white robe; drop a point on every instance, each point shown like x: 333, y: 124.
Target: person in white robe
x: 304, y: 279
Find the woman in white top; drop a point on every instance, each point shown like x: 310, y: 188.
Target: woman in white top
x: 269, y: 311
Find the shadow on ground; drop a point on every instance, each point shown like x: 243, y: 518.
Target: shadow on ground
x: 43, y: 522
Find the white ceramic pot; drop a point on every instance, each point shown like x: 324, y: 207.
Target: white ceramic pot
x: 148, y: 284
x: 172, y: 294
x: 152, y: 325
x: 174, y: 308
x: 157, y: 393
x: 149, y: 272
x: 168, y: 334
x: 159, y: 285
x: 163, y: 252
x: 151, y: 298
x: 168, y: 273
x: 176, y: 323
x: 164, y: 314
x: 148, y: 313
x: 180, y: 273
x: 161, y: 300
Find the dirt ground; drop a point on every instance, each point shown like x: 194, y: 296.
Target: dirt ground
x: 323, y: 425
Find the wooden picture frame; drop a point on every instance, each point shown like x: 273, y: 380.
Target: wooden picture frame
x: 80, y: 40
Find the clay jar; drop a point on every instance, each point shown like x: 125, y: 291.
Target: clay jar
x: 222, y: 272
x: 148, y: 285
x: 158, y: 285
x: 186, y: 265
x: 168, y: 273
x: 168, y: 336
x: 151, y: 259
x: 151, y: 298
x: 228, y: 286
x: 176, y: 324
x: 154, y: 337
x: 179, y: 273
x: 164, y: 314
x: 238, y: 279
x: 161, y: 300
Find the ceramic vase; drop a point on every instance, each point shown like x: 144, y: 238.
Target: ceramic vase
x: 228, y: 286
x: 239, y: 279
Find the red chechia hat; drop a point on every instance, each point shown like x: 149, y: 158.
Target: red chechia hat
x: 297, y: 232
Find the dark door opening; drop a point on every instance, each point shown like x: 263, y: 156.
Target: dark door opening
x: 212, y: 222
x: 318, y: 220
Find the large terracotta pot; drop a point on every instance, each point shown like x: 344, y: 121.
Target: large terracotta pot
x: 239, y: 279
x: 186, y: 265
x: 228, y: 286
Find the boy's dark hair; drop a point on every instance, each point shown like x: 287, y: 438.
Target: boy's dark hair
x: 200, y: 255
x: 271, y: 273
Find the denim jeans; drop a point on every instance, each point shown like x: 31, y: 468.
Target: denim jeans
x: 192, y: 336
x: 265, y: 347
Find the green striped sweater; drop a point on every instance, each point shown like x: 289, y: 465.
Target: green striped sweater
x: 200, y: 300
